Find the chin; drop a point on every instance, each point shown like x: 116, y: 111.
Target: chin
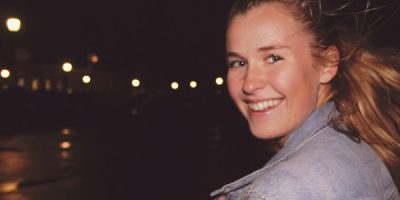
x: 264, y: 134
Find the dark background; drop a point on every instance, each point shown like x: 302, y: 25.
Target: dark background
x: 153, y: 39
x: 157, y: 144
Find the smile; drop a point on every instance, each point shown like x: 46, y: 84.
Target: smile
x: 264, y: 104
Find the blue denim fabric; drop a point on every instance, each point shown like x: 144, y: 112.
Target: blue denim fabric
x: 317, y: 162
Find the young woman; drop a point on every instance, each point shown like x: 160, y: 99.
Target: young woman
x: 332, y: 103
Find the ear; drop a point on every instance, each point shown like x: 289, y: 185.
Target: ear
x: 330, y: 68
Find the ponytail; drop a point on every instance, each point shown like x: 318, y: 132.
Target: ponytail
x: 366, y: 92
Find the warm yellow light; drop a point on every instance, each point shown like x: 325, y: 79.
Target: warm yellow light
x: 7, y: 187
x: 66, y: 131
x: 219, y: 81
x: 174, y: 85
x: 67, y: 67
x: 86, y: 79
x: 65, y: 154
x: 93, y: 58
x: 5, y: 73
x: 65, y: 145
x: 135, y: 82
x: 21, y: 82
x: 35, y: 84
x: 13, y: 24
x: 193, y: 84
x: 47, y: 85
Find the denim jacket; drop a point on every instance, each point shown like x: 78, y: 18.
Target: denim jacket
x: 317, y: 163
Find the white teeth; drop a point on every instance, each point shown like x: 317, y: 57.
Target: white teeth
x: 265, y: 104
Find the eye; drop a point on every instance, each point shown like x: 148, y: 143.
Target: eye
x: 273, y: 59
x: 237, y: 64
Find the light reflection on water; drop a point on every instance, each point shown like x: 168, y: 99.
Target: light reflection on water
x: 65, y: 145
x: 12, y: 163
x: 36, y: 166
x: 15, y: 196
x: 11, y: 186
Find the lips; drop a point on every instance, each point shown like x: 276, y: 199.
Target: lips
x: 264, y: 105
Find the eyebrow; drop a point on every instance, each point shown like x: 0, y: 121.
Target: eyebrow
x: 272, y: 47
x: 261, y: 49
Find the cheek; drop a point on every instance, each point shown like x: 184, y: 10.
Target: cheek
x: 298, y: 84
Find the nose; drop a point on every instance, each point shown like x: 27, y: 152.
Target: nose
x: 254, y: 81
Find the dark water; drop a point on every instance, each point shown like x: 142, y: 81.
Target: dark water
x: 131, y: 147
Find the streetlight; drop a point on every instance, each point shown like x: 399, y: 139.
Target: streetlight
x: 86, y: 79
x: 135, y: 82
x: 5, y: 73
x: 13, y: 24
x: 174, y: 85
x: 67, y: 67
x: 193, y: 84
x: 219, y: 81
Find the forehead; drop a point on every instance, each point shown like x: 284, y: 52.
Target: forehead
x: 268, y: 22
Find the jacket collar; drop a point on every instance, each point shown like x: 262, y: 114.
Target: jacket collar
x: 318, y: 120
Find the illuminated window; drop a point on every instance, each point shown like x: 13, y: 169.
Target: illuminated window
x: 35, y: 84
x: 21, y: 82
x: 47, y: 85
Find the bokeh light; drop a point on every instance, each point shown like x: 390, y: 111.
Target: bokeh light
x: 86, y: 79
x: 94, y: 58
x: 174, y: 85
x: 5, y: 73
x: 13, y: 24
x: 219, y: 81
x: 193, y: 84
x: 67, y: 67
x: 65, y: 145
x: 135, y: 82
x: 66, y: 131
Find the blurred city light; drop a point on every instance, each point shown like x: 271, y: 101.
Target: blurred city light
x: 13, y: 24
x: 66, y: 131
x: 219, y: 81
x: 35, y: 84
x: 47, y: 85
x: 65, y: 154
x: 174, y: 85
x: 21, y: 82
x: 5, y: 73
x: 65, y: 145
x: 193, y: 84
x: 86, y: 79
x: 67, y: 67
x: 93, y: 58
x: 135, y: 82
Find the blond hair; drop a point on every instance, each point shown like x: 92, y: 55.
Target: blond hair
x: 367, y: 94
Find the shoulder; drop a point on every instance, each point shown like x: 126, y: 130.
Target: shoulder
x: 329, y: 166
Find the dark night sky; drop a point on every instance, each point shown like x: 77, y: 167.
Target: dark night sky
x: 159, y: 38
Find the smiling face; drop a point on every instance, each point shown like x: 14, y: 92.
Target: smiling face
x: 272, y: 77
